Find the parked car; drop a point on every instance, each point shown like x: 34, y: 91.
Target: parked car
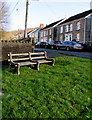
x: 69, y: 45
x: 40, y: 44
x: 52, y: 44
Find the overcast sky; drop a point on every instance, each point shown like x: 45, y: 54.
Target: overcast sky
x: 42, y: 11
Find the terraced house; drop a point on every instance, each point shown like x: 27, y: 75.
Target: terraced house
x: 50, y: 32
x: 77, y: 28
x: 35, y: 33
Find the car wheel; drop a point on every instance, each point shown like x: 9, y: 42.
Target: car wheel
x: 67, y: 48
x: 45, y: 46
x: 51, y: 47
x: 57, y: 48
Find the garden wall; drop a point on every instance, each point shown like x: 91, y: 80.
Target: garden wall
x: 15, y: 47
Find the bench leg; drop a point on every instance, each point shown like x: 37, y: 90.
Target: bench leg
x: 9, y: 66
x: 18, y: 69
x: 53, y: 62
x: 38, y: 66
x: 35, y: 65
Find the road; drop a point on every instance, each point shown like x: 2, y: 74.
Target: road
x: 61, y: 53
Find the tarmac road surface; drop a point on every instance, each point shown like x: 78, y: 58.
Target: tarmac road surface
x: 61, y: 53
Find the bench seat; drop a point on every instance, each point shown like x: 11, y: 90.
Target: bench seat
x: 24, y: 63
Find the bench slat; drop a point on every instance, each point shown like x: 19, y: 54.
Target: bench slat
x: 24, y: 54
x: 25, y: 63
x: 44, y: 61
x: 41, y: 57
x: 20, y: 59
x: 40, y: 53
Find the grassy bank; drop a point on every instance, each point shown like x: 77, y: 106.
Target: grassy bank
x: 62, y: 91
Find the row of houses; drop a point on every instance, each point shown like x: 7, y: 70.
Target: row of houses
x: 75, y: 28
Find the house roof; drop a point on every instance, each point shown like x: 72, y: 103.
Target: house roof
x: 35, y: 30
x: 78, y: 16
x: 52, y: 24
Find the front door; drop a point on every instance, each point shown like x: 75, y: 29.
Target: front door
x: 68, y: 37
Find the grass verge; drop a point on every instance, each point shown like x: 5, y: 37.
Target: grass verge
x: 62, y: 91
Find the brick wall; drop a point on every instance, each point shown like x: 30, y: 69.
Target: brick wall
x: 15, y: 47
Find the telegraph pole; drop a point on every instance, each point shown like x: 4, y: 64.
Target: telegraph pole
x: 25, y: 31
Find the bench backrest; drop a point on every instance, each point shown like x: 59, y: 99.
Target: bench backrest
x: 37, y: 56
x: 26, y: 56
x: 18, y: 57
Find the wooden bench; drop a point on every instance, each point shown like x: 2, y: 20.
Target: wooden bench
x: 17, y: 60
x: 23, y: 59
x: 41, y: 57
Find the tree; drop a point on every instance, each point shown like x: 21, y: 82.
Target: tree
x: 3, y: 20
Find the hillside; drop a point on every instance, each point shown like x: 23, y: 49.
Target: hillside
x: 13, y: 35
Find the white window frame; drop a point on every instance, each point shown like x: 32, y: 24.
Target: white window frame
x: 42, y: 34
x: 50, y: 39
x: 61, y: 29
x: 66, y: 37
x: 78, y: 25
x: 71, y: 27
x: 42, y: 40
x: 66, y: 28
x: 45, y: 39
x: 46, y: 32
x: 78, y: 36
x: 50, y: 32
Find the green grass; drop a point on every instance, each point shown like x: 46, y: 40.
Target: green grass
x: 62, y: 91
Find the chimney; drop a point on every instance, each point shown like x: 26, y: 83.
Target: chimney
x: 41, y: 25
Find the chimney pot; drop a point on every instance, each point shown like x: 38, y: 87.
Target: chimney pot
x: 41, y: 25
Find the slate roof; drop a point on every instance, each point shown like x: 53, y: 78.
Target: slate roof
x: 34, y: 30
x: 78, y: 16
x: 52, y: 24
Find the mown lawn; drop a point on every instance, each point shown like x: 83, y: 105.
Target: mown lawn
x: 62, y: 91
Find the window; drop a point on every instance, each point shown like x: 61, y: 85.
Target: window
x: 50, y: 32
x: 45, y: 39
x: 41, y: 40
x: 78, y: 26
x: 45, y: 33
x: 49, y: 39
x: 71, y: 27
x: 66, y: 37
x: 66, y: 28
x: 61, y: 29
x: 42, y: 34
x: 78, y: 36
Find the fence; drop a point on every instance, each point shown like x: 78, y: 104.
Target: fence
x: 14, y: 47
